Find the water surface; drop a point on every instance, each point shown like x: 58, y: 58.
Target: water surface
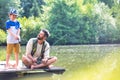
x: 84, y: 62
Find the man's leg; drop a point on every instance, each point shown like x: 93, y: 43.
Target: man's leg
x: 48, y: 63
x: 27, y: 62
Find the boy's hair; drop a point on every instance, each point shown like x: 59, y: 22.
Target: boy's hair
x: 13, y: 11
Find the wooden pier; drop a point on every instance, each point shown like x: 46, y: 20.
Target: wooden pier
x: 23, y: 71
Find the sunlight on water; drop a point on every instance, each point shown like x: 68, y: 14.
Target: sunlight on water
x: 107, y: 68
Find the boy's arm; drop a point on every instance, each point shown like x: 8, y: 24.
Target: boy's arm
x: 18, y: 32
x: 9, y: 30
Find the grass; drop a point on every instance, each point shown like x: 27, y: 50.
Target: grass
x: 84, y: 62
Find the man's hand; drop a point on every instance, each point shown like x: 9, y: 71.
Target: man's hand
x: 34, y: 59
x: 44, y: 60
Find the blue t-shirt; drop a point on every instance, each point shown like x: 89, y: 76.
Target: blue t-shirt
x: 14, y: 26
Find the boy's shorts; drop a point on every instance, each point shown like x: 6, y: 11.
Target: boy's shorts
x: 13, y: 47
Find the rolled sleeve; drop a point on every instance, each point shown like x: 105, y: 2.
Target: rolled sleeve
x: 7, y: 25
x: 47, y: 51
x: 29, y: 47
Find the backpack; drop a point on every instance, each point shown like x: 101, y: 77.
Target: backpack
x: 34, y: 47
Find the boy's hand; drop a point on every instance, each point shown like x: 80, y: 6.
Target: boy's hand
x: 17, y: 37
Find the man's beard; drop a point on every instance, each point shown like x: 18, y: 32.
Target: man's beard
x: 39, y: 38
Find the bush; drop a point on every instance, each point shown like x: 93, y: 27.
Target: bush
x: 30, y: 28
x: 2, y: 36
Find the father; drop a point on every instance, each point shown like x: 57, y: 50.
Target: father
x: 37, y: 52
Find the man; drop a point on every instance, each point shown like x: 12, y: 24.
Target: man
x: 37, y: 52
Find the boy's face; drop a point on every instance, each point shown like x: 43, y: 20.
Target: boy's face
x: 12, y: 16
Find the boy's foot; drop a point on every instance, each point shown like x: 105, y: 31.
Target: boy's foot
x: 8, y: 66
x: 15, y: 66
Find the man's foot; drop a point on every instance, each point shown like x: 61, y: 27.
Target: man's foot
x: 32, y: 67
x: 50, y: 66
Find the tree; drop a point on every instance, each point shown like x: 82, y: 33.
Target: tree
x: 67, y: 22
x: 110, y: 3
x: 76, y: 23
x: 31, y: 7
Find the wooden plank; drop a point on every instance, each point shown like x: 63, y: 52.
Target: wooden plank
x: 57, y: 70
x: 24, y: 70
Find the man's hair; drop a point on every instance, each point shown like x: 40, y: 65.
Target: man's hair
x: 47, y: 34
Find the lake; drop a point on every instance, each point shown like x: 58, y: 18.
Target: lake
x: 82, y: 62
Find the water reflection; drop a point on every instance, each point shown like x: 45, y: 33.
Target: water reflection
x: 84, y: 62
x: 39, y: 76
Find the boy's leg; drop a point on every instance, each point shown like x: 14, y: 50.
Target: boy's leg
x: 7, y: 60
x: 16, y: 52
x: 9, y: 51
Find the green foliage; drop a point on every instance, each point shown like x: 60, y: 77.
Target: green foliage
x: 69, y: 21
x: 30, y: 28
x: 105, y: 23
x: 31, y: 7
x: 73, y: 23
x: 2, y: 36
x: 116, y: 14
x: 110, y: 3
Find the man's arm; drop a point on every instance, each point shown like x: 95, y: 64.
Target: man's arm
x: 31, y: 58
x: 46, y: 53
x: 29, y: 49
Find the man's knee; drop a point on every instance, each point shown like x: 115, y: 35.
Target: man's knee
x: 54, y: 59
x: 24, y: 58
x: 26, y: 61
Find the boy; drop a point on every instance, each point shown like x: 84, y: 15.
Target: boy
x: 13, y: 38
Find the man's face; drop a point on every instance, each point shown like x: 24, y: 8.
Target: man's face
x: 41, y: 35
